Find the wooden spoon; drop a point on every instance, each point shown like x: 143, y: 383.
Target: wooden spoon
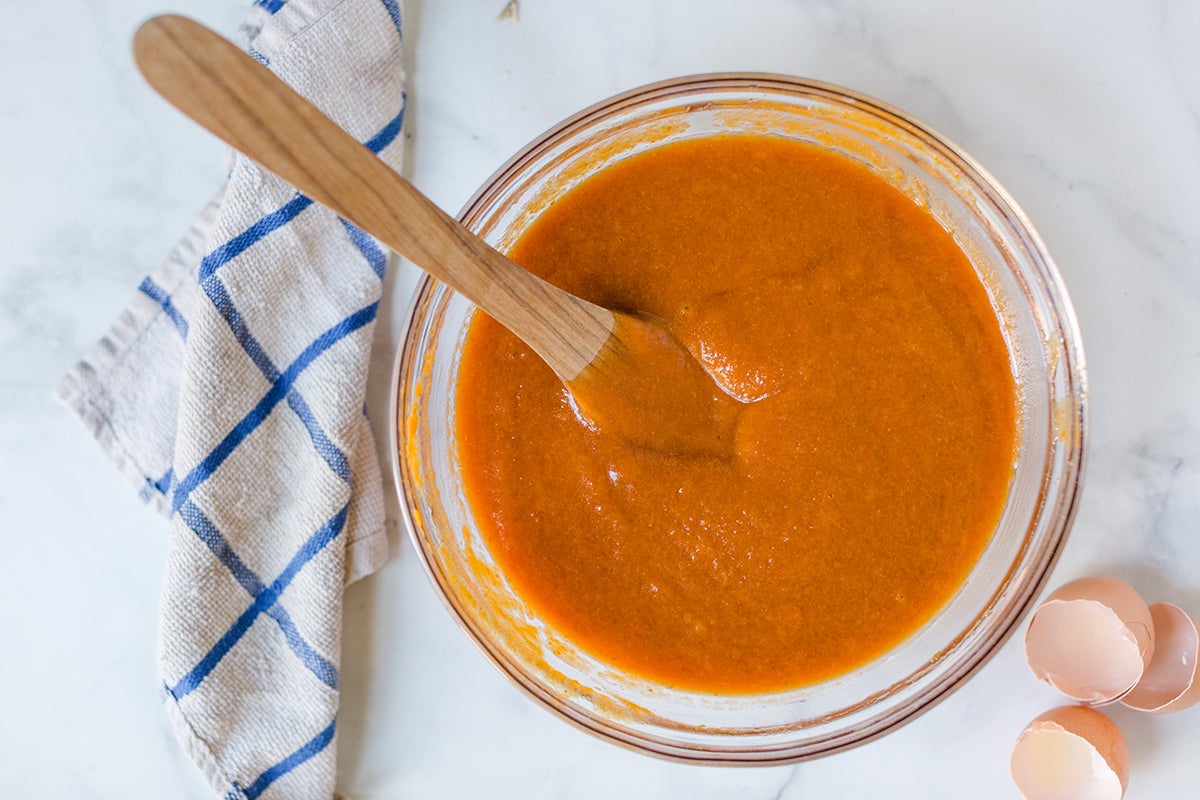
x: 627, y: 375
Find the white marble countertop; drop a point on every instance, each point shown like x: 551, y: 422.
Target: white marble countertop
x: 1087, y: 111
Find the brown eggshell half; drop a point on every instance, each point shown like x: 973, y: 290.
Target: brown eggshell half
x: 1171, y: 682
x: 1071, y: 753
x: 1091, y: 639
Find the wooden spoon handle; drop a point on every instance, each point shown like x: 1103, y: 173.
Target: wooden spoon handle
x: 245, y: 104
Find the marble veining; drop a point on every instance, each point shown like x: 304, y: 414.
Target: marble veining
x: 1088, y: 111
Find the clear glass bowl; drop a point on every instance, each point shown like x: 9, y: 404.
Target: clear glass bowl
x: 1047, y: 359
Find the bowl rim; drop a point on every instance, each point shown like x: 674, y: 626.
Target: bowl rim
x: 1053, y: 290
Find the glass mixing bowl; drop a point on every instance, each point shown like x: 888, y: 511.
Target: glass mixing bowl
x: 1046, y: 356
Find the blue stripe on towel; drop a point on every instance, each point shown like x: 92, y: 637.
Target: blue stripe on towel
x: 309, y: 749
x: 259, y: 57
x: 393, y: 9
x: 376, y: 258
x: 270, y: 6
x: 219, y: 546
x: 207, y: 532
x: 158, y: 295
x: 317, y: 664
x: 325, y: 447
x: 249, y: 423
x: 265, y: 599
x: 219, y: 296
x: 387, y: 134
x: 162, y: 485
x: 238, y: 244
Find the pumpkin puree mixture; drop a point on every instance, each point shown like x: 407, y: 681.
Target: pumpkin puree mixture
x: 870, y: 468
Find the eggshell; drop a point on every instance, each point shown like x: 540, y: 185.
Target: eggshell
x: 1171, y: 682
x: 1091, y: 639
x: 1071, y: 753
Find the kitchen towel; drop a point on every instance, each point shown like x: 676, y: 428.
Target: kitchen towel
x: 230, y: 391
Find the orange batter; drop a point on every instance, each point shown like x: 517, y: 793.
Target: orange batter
x: 870, y: 468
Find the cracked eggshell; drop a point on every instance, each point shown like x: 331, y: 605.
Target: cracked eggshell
x: 1171, y: 682
x: 1071, y: 753
x: 1091, y: 639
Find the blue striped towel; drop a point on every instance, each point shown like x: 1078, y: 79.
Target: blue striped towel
x: 231, y: 392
